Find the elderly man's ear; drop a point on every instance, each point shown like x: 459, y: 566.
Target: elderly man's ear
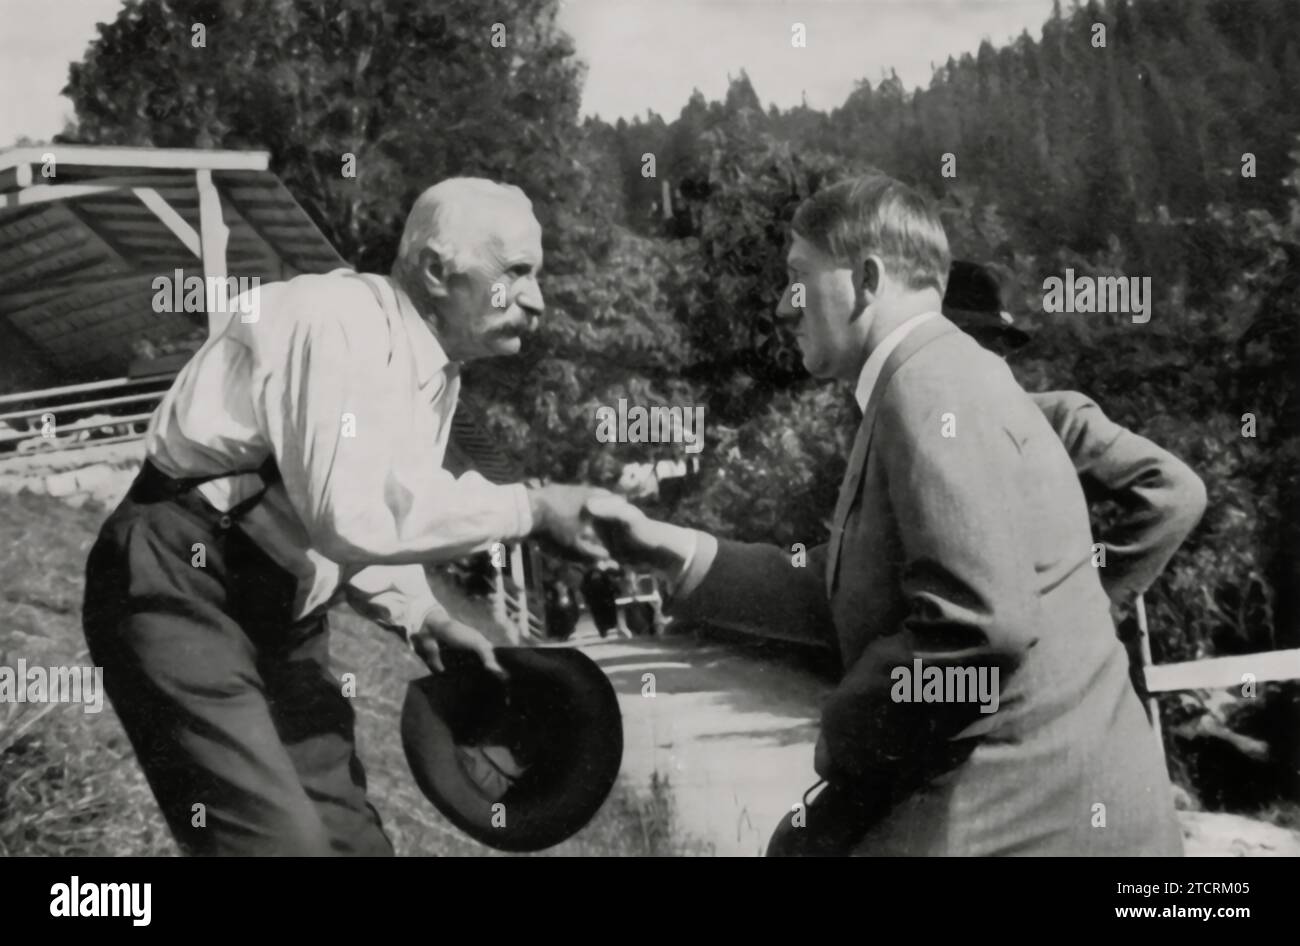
x: 433, y: 273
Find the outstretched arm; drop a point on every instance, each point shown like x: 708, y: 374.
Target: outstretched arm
x: 748, y: 587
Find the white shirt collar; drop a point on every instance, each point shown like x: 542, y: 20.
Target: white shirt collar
x: 876, y: 360
x: 430, y: 357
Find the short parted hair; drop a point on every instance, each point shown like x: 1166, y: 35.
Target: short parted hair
x: 455, y: 217
x: 877, y: 214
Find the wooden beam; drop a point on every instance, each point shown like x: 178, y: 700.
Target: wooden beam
x: 171, y: 219
x: 1220, y: 673
x: 45, y: 193
x: 83, y: 405
x: 15, y: 178
x: 520, y: 579
x: 214, y: 235
x: 175, y: 159
x: 66, y: 389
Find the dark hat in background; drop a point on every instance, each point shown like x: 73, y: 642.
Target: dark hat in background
x: 518, y: 765
x: 973, y: 302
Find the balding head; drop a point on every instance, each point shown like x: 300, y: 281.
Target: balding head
x: 469, y: 258
x: 458, y: 216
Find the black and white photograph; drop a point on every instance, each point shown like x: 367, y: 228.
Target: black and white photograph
x: 651, y: 428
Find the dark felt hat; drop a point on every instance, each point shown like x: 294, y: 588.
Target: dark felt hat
x: 519, y: 765
x: 973, y: 302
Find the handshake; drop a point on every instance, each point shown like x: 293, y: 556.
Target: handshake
x: 592, y: 523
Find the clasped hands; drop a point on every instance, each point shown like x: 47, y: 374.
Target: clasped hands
x: 580, y: 522
x: 599, y: 525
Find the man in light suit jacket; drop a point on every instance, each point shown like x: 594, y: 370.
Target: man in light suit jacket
x: 985, y: 706
x: 1157, y: 499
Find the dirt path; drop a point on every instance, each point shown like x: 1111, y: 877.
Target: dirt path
x: 733, y: 732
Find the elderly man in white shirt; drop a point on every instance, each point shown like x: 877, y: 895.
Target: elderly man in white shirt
x: 297, y: 460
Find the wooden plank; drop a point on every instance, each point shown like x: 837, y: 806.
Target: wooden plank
x: 61, y: 239
x: 15, y: 178
x: 114, y: 326
x: 1144, y: 648
x: 88, y: 221
x: 60, y: 429
x: 83, y: 405
x: 77, y: 291
x: 77, y: 294
x: 45, y: 193
x: 214, y: 234
x: 66, y: 389
x: 18, y: 231
x: 174, y: 221
x: 126, y: 211
x: 55, y: 267
x: 178, y: 159
x: 1219, y: 673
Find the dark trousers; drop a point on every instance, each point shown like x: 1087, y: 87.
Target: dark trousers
x: 244, y: 735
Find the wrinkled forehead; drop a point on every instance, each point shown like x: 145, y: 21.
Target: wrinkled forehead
x: 507, y: 230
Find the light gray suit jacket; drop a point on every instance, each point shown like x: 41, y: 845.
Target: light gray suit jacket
x: 961, y: 539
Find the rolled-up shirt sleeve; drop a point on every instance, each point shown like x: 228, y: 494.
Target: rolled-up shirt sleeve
x: 350, y: 437
x: 397, y: 597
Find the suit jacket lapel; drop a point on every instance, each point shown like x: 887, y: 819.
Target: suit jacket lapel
x: 917, y: 339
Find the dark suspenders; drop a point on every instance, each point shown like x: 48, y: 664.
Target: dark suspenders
x: 154, y: 484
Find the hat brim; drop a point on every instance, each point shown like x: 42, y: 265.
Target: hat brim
x: 557, y: 718
x: 987, y: 327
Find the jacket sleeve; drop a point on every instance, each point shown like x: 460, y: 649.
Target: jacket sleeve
x: 971, y: 607
x: 758, y: 589
x: 1160, y: 499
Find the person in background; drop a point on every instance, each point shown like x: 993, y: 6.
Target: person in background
x: 600, y: 588
x: 1157, y: 498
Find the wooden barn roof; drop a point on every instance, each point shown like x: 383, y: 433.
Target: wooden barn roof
x: 83, y: 237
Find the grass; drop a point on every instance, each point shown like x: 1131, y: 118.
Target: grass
x: 69, y: 782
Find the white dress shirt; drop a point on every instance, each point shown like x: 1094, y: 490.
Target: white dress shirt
x: 338, y: 378
x: 876, y: 360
